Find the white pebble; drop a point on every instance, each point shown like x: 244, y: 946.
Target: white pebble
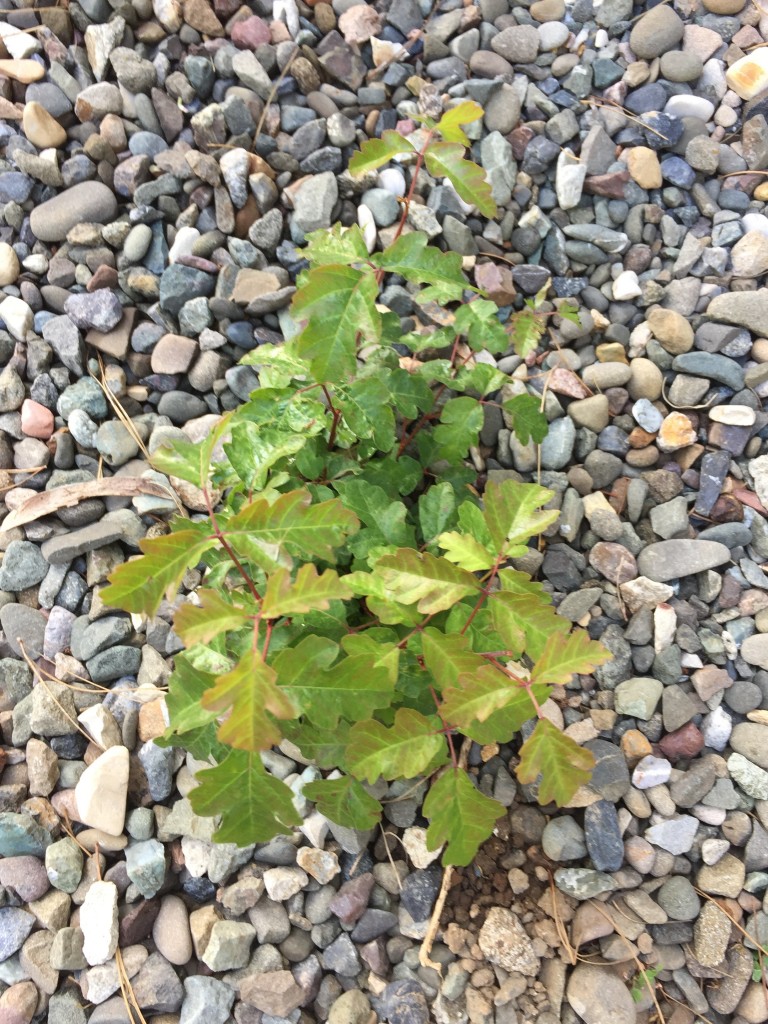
x: 689, y: 106
x: 98, y: 921
x: 393, y: 180
x: 716, y: 729
x: 367, y: 226
x: 17, y: 317
x: 651, y: 771
x: 182, y: 244
x: 626, y: 286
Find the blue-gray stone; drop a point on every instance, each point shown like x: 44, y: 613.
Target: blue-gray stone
x: 15, y: 926
x: 145, y: 864
x: 601, y: 826
x: 20, y: 834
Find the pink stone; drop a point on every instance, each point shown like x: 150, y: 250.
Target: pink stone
x: 250, y: 33
x: 36, y: 420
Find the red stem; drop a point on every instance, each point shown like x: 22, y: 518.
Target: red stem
x: 227, y: 547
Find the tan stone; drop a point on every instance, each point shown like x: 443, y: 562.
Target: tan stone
x: 671, y: 330
x: 749, y: 256
x: 748, y: 77
x: 643, y: 164
x: 25, y: 71
x: 173, y: 354
x: 41, y: 128
x: 675, y: 432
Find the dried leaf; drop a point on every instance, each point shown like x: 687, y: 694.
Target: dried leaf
x: 48, y: 502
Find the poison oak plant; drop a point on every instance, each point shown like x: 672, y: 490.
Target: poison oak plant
x: 358, y: 598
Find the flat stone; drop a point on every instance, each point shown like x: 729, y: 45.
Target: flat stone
x: 273, y: 992
x: 89, y: 201
x: 675, y: 836
x: 672, y: 559
x: 745, y: 309
x: 638, y: 697
x: 206, y: 1001
x: 15, y: 926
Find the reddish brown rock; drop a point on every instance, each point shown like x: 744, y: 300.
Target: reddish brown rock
x: 683, y: 743
x: 613, y: 561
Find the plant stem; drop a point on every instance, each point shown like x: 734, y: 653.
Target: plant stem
x: 414, y: 178
x: 336, y: 416
x: 227, y: 547
x: 483, y: 593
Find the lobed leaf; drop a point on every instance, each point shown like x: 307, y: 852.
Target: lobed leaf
x: 345, y: 802
x: 412, y: 746
x: 562, y: 656
x: 336, y: 244
x: 255, y: 449
x: 461, y: 421
x: 463, y: 550
x: 479, y: 322
x: 351, y: 688
x: 140, y: 585
x: 562, y: 763
x: 253, y: 805
x: 528, y: 420
x: 448, y: 656
x: 446, y: 160
x: 374, y: 153
x: 367, y: 409
x: 459, y: 815
x: 513, y: 513
x: 199, y: 624
x: 340, y: 306
x: 292, y: 525
x: 250, y: 694
x: 450, y: 123
x: 310, y: 591
x: 190, y: 461
x: 412, y: 258
x: 432, y: 584
x: 437, y: 510
x: 477, y: 696
x: 188, y: 718
x: 410, y: 394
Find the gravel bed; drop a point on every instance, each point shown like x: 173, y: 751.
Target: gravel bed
x: 160, y: 163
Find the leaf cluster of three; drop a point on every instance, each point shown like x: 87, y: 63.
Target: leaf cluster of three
x: 358, y: 599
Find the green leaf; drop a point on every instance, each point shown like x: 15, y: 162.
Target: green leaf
x: 479, y: 322
x: 562, y: 764
x: 450, y: 123
x: 562, y: 656
x: 412, y: 746
x: 480, y: 379
x: 502, y: 724
x: 513, y: 514
x: 292, y: 525
x: 394, y: 476
x: 278, y: 365
x: 352, y: 688
x: 141, y: 584
x: 191, y: 726
x: 528, y: 421
x: 537, y: 621
x: 432, y: 584
x: 336, y: 244
x: 386, y: 520
x: 461, y: 421
x: 463, y: 550
x: 345, y: 802
x: 413, y: 259
x: 340, y: 306
x: 380, y: 603
x: 254, y: 450
x: 446, y: 160
x: 437, y: 510
x: 309, y: 591
x: 199, y: 624
x: 254, y: 806
x: 324, y: 747
x: 410, y: 394
x: 448, y: 656
x: 478, y: 695
x: 367, y: 410
x: 460, y: 816
x: 188, y: 460
x: 248, y: 692
x: 374, y: 153
x: 527, y: 328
